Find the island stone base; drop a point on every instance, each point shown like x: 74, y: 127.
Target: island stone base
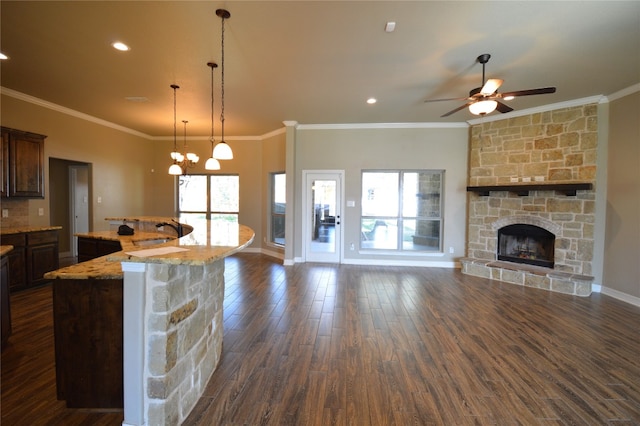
x: 182, y: 318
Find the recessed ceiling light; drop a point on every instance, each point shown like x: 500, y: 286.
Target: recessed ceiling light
x: 390, y: 26
x: 120, y: 46
x: 137, y: 98
x: 372, y: 101
x: 3, y: 56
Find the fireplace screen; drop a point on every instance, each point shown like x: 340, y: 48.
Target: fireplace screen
x: 522, y: 243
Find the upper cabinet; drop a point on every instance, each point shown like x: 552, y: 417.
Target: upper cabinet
x: 22, y: 164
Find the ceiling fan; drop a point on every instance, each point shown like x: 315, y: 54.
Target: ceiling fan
x: 484, y: 100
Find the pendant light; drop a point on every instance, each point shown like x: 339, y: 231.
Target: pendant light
x: 212, y: 163
x: 222, y: 151
x: 175, y: 168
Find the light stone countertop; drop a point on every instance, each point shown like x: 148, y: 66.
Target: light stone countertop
x: 208, y: 242
x: 127, y: 242
x: 5, y: 249
x: 25, y: 229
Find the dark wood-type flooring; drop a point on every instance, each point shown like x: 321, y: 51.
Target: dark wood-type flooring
x: 316, y: 344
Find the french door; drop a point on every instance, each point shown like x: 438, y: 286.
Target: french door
x: 322, y: 206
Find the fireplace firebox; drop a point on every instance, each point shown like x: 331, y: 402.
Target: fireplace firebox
x: 529, y: 244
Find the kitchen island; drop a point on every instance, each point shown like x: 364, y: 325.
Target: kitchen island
x: 172, y: 297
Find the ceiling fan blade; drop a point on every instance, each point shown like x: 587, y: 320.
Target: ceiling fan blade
x: 491, y: 86
x: 456, y: 110
x: 503, y: 108
x: 540, y: 91
x: 445, y: 99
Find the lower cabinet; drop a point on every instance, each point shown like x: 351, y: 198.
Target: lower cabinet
x: 5, y: 306
x: 33, y: 255
x: 90, y: 248
x: 87, y: 321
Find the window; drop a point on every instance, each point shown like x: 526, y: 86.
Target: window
x: 208, y: 197
x: 401, y: 210
x: 278, y: 204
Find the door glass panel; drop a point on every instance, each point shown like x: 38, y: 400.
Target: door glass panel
x: 323, y: 216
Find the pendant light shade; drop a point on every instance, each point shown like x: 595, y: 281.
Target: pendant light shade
x: 175, y: 169
x: 222, y: 151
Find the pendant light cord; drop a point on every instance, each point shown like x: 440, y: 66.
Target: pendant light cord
x: 222, y: 83
x: 212, y: 139
x: 175, y: 131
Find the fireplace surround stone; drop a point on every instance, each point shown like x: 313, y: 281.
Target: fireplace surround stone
x: 553, y: 147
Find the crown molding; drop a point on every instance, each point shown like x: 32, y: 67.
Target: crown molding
x: 352, y: 126
x: 68, y: 111
x: 624, y: 92
x: 544, y: 108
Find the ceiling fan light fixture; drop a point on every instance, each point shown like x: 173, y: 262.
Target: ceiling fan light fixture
x: 509, y: 98
x: 483, y: 107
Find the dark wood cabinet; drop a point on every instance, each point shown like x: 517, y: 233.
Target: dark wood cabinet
x: 4, y: 165
x: 90, y: 248
x: 33, y: 255
x: 22, y: 164
x: 42, y: 255
x: 87, y: 318
x: 17, y: 260
x: 5, y: 305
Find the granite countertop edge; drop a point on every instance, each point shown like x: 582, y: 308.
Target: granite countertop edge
x: 27, y: 229
x: 110, y: 266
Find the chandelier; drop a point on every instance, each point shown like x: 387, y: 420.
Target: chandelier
x: 181, y: 161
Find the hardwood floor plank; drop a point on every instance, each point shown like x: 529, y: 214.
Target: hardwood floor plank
x: 318, y: 344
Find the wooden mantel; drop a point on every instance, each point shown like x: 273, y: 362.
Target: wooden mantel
x: 522, y: 189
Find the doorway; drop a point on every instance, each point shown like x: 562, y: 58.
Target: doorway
x: 69, y: 195
x: 322, y: 204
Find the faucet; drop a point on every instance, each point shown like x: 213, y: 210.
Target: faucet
x: 177, y: 226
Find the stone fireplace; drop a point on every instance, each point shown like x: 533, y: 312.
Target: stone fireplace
x: 535, y: 173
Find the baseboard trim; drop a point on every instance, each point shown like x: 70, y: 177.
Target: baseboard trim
x: 621, y: 296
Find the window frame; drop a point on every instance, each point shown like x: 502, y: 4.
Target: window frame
x: 209, y: 213
x: 400, y: 218
x: 272, y: 215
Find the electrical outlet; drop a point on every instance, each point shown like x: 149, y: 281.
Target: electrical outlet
x: 514, y: 179
x: 5, y: 212
x: 40, y: 211
x: 352, y: 247
x: 526, y: 179
x: 539, y: 178
x: 451, y: 250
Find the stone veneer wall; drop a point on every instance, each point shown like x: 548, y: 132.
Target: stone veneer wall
x: 185, y: 330
x: 549, y: 147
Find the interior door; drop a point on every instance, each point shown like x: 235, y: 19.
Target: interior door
x: 322, y: 220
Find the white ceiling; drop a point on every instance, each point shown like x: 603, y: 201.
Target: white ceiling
x: 314, y: 62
